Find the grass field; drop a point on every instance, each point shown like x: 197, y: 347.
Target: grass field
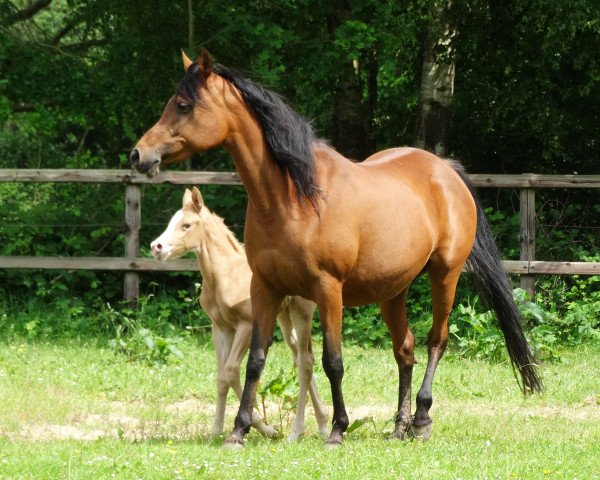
x: 75, y: 409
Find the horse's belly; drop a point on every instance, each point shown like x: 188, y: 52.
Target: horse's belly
x: 377, y: 285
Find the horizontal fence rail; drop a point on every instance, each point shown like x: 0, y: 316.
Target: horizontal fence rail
x: 131, y: 263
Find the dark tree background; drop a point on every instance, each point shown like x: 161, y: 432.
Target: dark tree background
x: 505, y: 87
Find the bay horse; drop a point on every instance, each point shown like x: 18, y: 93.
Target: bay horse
x: 225, y: 297
x: 337, y: 232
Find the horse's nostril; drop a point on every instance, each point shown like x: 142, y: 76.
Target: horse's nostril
x: 134, y: 157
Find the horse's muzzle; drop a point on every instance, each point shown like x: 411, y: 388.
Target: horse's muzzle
x: 148, y: 166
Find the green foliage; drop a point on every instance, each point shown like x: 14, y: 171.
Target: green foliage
x: 477, y: 333
x: 364, y: 326
x: 144, y: 344
x: 82, y: 80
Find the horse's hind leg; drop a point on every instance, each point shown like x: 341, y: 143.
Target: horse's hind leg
x: 329, y: 301
x: 394, y: 314
x: 443, y: 289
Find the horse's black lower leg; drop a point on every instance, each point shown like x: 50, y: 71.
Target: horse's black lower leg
x: 264, y: 308
x: 403, y: 419
x: 443, y: 287
x: 329, y: 301
x: 254, y: 368
x: 421, y: 425
x: 394, y: 314
x: 334, y: 369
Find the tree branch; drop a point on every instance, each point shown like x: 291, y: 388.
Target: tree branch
x: 28, y: 12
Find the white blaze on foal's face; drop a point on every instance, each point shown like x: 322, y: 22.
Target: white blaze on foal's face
x: 171, y: 242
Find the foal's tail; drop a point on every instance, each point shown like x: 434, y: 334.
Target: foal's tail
x: 496, y: 292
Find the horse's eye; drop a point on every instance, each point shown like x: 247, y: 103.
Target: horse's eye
x: 183, y: 107
x: 187, y: 226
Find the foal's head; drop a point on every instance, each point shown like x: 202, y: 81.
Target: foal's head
x: 193, y: 120
x: 185, y: 231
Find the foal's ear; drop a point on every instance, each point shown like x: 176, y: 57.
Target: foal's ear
x: 187, y: 199
x: 205, y: 64
x: 186, y: 60
x: 197, y: 200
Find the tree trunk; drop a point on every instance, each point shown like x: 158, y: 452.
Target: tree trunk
x: 437, y: 87
x: 349, y: 122
x: 191, y: 49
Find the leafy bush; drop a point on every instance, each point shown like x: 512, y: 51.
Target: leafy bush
x: 144, y: 344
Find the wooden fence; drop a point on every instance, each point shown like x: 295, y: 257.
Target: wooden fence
x: 131, y: 263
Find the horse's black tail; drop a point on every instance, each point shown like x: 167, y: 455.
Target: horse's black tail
x: 495, y: 289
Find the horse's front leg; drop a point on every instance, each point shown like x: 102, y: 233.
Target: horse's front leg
x: 265, y: 306
x: 329, y: 301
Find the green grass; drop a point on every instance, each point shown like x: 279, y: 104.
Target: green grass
x: 75, y: 409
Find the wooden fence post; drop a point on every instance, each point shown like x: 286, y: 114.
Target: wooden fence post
x: 527, y: 235
x: 133, y: 220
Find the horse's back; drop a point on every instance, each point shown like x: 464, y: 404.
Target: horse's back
x: 436, y: 182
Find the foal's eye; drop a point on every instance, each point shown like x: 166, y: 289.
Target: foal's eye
x: 183, y: 107
x: 187, y: 226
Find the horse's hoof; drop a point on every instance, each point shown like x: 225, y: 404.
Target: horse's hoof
x: 324, y: 432
x: 334, y: 440
x: 421, y: 433
x: 294, y: 436
x: 400, y: 433
x: 233, y: 443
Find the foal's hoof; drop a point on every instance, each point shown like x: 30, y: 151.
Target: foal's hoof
x: 233, y: 443
x: 294, y: 436
x: 269, y: 431
x: 421, y: 433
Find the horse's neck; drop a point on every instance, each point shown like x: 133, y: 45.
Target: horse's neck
x: 269, y: 191
x: 218, y: 251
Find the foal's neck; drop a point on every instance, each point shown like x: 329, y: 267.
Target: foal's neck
x: 217, y: 249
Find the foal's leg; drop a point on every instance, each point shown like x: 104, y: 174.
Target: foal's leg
x: 302, y: 312
x: 329, y: 301
x: 265, y: 306
x: 222, y: 341
x: 239, y: 348
x: 443, y: 289
x: 394, y: 313
x: 299, y: 314
x: 289, y: 335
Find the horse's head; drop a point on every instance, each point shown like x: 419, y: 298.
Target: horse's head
x: 185, y: 230
x: 191, y: 122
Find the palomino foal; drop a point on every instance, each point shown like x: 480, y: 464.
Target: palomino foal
x: 225, y: 298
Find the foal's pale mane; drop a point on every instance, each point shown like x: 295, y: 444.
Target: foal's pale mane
x: 216, y: 225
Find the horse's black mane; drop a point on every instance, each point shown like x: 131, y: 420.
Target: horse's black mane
x: 289, y: 136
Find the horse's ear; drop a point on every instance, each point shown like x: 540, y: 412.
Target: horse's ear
x: 186, y: 60
x: 197, y: 200
x: 205, y: 64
